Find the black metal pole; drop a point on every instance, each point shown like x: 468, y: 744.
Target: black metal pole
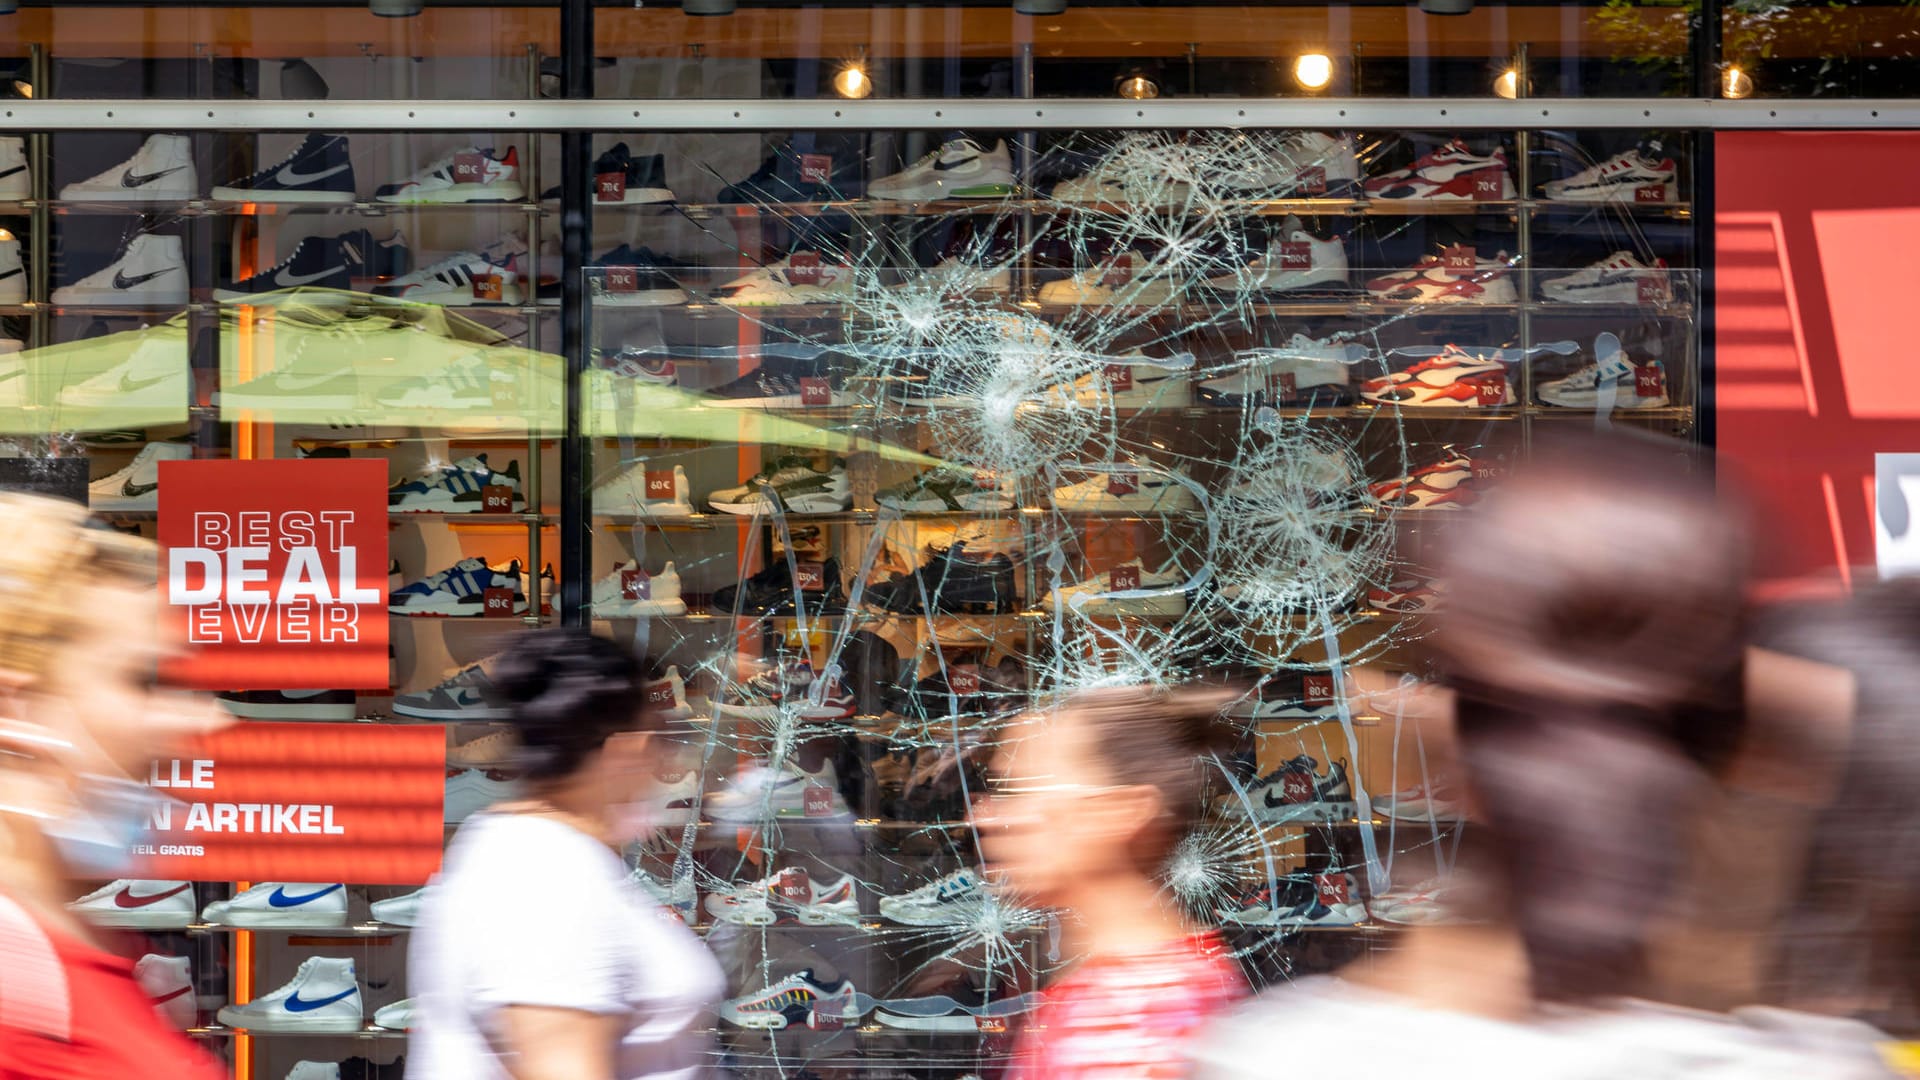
x: 576, y: 230
x: 1706, y: 84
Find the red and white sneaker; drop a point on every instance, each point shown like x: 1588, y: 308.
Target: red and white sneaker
x: 1408, y: 596
x: 1454, y: 379
x: 1444, y: 484
x: 472, y: 174
x: 1429, y: 281
x: 790, y: 894
x: 1451, y: 173
x: 1637, y: 175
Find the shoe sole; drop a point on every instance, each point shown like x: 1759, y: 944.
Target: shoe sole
x: 124, y: 505
x: 835, y: 399
x: 1166, y: 504
x: 1626, y: 400
x: 423, y: 713
x: 283, y: 198
x: 649, y: 298
x: 290, y: 711
x: 805, y: 504
x: 642, y: 510
x: 962, y: 1022
x: 316, y: 1025
x: 895, y: 916
x: 975, y: 191
x: 146, y: 196
x: 289, y: 920
x: 115, y: 919
x: 510, y: 296
x: 1099, y: 607
x: 472, y: 506
x: 1622, y: 193
x: 1628, y: 295
x: 635, y: 608
x: 511, y: 191
x: 974, y: 503
x: 74, y: 296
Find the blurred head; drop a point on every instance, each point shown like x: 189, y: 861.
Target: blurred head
x: 1101, y: 787
x: 578, y: 705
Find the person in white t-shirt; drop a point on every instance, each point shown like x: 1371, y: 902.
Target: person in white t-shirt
x: 538, y: 957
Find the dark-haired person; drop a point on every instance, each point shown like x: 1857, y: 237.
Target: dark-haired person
x: 538, y: 957
x: 1085, y: 805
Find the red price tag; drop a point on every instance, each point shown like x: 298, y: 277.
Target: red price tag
x: 489, y: 287
x: 816, y: 168
x: 496, y: 602
x: 1118, y: 272
x: 1459, y: 257
x: 496, y: 499
x: 815, y: 391
x: 505, y: 393
x: 636, y: 585
x: 1282, y: 384
x: 1490, y: 390
x: 1121, y: 578
x: 660, y: 694
x: 817, y: 800
x: 620, y: 279
x: 991, y: 1025
x: 1488, y: 470
x: 1318, y: 689
x: 824, y: 1021
x: 1487, y: 185
x: 1650, y: 193
x: 1297, y: 786
x: 810, y: 576
x: 610, y: 187
x: 1123, y: 484
x: 1331, y: 887
x: 1119, y: 377
x: 660, y: 484
x: 803, y: 268
x: 793, y: 885
x: 1650, y: 380
x: 470, y: 168
x: 1652, y: 289
x: 1312, y: 180
x: 1294, y: 255
x: 987, y: 480
x: 964, y: 679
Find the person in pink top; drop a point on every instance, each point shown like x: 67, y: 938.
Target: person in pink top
x: 1086, y: 803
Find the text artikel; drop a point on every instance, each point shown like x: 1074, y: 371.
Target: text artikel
x: 224, y: 577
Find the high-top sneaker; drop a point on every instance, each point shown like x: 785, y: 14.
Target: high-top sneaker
x: 151, y: 272
x: 13, y: 273
x: 316, y: 171
x: 16, y: 179
x: 168, y: 982
x: 136, y: 486
x: 620, y: 177
x: 771, y: 591
x: 160, y: 171
x: 377, y: 257
x: 317, y: 262
x: 324, y: 995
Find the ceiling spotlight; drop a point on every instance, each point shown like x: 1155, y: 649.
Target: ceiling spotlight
x: 1446, y: 7
x: 1507, y: 85
x: 396, y: 9
x: 708, y: 7
x: 1735, y: 83
x: 852, y: 80
x: 1313, y: 70
x: 1138, y: 81
x: 1039, y: 7
x: 19, y: 88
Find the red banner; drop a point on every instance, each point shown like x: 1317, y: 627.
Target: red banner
x: 275, y: 573
x: 301, y: 802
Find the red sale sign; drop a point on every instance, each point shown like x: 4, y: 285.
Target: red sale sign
x: 300, y: 802
x: 275, y: 573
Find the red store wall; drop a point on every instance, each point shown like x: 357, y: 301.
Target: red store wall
x: 1817, y: 330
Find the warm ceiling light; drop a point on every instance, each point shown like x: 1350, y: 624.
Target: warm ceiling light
x: 852, y: 80
x: 396, y: 9
x: 1313, y: 70
x: 1735, y: 83
x: 1137, y: 88
x: 22, y: 88
x: 1508, y: 84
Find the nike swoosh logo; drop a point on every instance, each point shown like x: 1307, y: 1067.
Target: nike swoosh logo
x: 296, y: 1003
x: 281, y: 899
x: 10, y: 172
x: 122, y: 281
x: 943, y: 166
x: 131, y: 179
x: 289, y: 279
x: 128, y: 383
x: 125, y: 898
x: 133, y: 491
x: 292, y: 178
x: 164, y: 998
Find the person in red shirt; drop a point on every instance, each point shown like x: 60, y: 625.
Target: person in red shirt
x: 80, y: 717
x: 1086, y: 803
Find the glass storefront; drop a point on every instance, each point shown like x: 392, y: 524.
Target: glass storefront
x: 867, y: 437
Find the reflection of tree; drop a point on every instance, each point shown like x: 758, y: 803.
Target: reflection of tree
x: 1758, y: 30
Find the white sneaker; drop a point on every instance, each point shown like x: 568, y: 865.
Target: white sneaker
x: 1304, y: 164
x: 314, y: 1070
x: 472, y: 791
x: 153, y: 381
x: 1620, y: 278
x: 1093, y: 597
x: 1122, y: 281
x: 168, y: 984
x: 1611, y: 381
x: 461, y: 280
x: 286, y: 904
x: 1302, y: 369
x: 955, y: 898
x: 669, y: 695
x: 322, y: 996
x: 395, y: 1017
x: 160, y: 171
x: 677, y: 895
x: 1430, y: 282
x: 629, y: 592
x: 13, y: 272
x: 1635, y: 175
x: 486, y: 752
x: 399, y: 911
x: 795, y: 486
x: 1147, y: 488
x: 151, y: 272
x: 1141, y: 171
x: 954, y: 276
x: 639, y: 491
x: 1451, y: 173
x: 959, y: 170
x: 818, y: 279
x: 16, y: 176
x: 138, y: 905
x: 762, y: 793
x: 791, y: 891
x: 1149, y: 384
x: 471, y: 174
x: 1296, y: 260
x: 137, y: 485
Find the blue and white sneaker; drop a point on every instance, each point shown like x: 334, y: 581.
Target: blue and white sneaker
x: 460, y: 591
x: 453, y: 489
x: 323, y: 996
x: 956, y: 898
x: 460, y: 696
x: 283, y: 904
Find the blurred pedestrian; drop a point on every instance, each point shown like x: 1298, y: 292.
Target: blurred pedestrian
x: 81, y: 718
x: 1086, y: 803
x: 539, y: 957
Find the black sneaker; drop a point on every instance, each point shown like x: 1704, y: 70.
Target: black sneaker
x: 790, y: 177
x: 787, y: 386
x: 619, y: 177
x: 633, y: 277
x: 318, y: 171
x: 290, y: 704
x: 965, y: 688
x: 316, y: 262
x: 770, y: 592
x: 374, y: 257
x: 954, y: 583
